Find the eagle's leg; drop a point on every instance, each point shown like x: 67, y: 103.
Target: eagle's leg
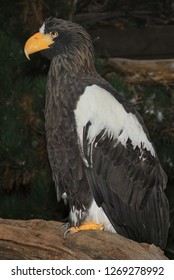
x: 85, y: 226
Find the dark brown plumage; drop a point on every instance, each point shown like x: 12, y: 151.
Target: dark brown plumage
x: 100, y: 153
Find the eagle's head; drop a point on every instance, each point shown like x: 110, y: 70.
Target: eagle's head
x: 63, y: 39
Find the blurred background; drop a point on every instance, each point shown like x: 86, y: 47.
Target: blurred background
x: 134, y: 49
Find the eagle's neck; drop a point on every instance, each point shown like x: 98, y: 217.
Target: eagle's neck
x: 73, y: 64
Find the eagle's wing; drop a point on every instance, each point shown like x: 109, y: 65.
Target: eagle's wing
x: 122, y: 169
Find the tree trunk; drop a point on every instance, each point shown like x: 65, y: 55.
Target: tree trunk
x: 38, y: 239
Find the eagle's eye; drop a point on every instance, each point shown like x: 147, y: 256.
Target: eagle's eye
x: 54, y: 34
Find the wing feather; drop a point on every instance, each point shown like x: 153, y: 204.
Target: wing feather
x: 125, y: 175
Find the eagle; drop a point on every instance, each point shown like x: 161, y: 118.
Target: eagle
x: 101, y: 156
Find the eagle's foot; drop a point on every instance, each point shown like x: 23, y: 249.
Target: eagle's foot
x: 85, y: 226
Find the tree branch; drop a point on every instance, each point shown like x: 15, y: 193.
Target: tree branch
x: 38, y: 239
x: 140, y: 71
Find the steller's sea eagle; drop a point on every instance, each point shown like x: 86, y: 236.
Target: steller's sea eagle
x: 101, y: 155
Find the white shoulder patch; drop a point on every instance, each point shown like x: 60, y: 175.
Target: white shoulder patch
x: 104, y: 112
x: 42, y: 28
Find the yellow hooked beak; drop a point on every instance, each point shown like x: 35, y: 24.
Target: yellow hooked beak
x: 37, y: 42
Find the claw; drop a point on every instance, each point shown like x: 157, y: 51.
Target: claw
x: 65, y: 226
x: 67, y: 232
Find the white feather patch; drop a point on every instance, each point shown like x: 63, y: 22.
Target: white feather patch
x: 42, y: 28
x: 104, y: 112
x: 65, y: 197
x: 97, y: 215
x: 77, y: 215
x: 74, y: 216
